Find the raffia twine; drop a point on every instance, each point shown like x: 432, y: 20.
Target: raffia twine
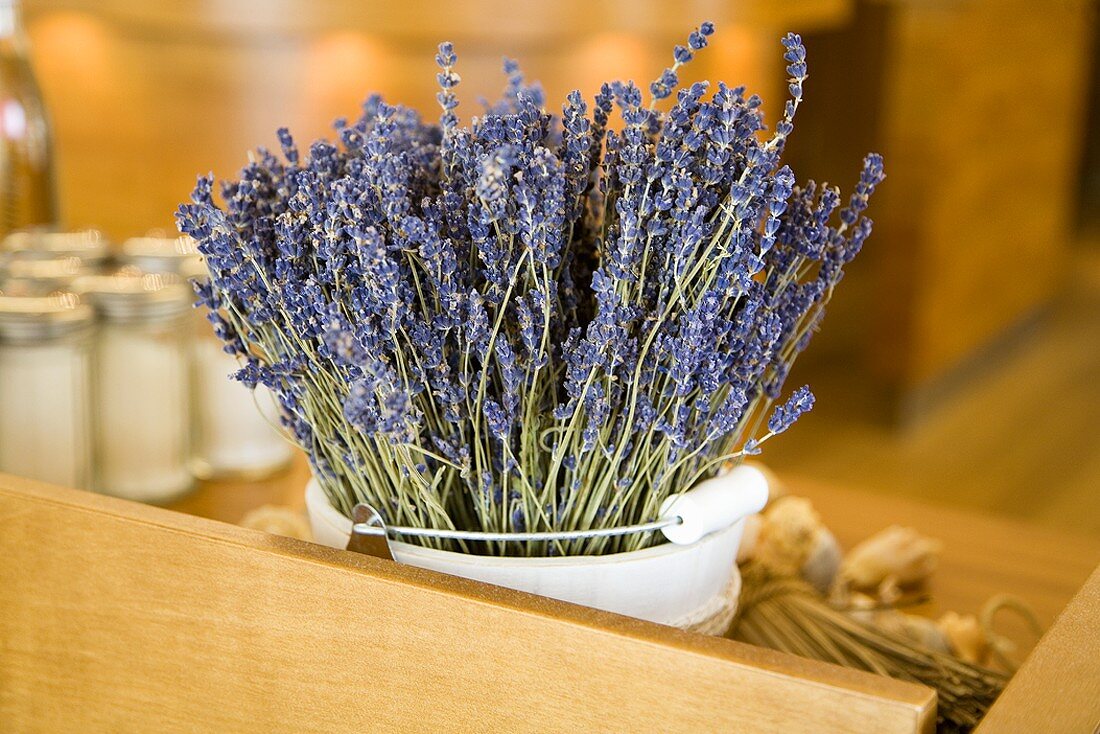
x: 716, y: 616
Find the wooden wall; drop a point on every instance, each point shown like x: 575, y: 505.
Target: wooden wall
x: 146, y: 95
x: 978, y: 107
x: 994, y: 153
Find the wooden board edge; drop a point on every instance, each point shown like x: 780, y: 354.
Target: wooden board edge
x: 919, y: 701
x: 1058, y: 686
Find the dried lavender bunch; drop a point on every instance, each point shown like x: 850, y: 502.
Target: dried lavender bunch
x: 534, y: 322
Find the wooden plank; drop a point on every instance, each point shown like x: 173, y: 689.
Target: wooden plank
x: 116, y: 616
x: 1058, y: 688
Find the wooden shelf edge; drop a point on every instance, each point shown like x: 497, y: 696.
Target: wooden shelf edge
x: 1058, y: 687
x: 130, y: 590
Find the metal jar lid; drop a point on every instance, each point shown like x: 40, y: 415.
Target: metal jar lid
x: 89, y: 245
x: 35, y: 319
x: 133, y: 296
x: 178, y: 255
x: 20, y: 277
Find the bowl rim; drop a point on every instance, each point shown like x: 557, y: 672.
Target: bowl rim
x: 317, y: 501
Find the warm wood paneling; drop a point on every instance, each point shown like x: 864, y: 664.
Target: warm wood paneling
x: 984, y: 120
x: 145, y: 96
x: 978, y: 108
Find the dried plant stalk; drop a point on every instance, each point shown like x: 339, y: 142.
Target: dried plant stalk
x: 787, y: 614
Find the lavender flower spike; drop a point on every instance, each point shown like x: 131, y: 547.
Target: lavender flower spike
x: 448, y: 79
x: 667, y: 82
x: 801, y: 401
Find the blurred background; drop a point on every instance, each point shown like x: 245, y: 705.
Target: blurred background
x: 959, y: 363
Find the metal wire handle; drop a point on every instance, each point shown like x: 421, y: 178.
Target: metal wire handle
x: 365, y: 529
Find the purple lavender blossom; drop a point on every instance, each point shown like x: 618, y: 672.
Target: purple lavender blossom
x: 448, y: 79
x: 800, y: 402
x: 530, y: 322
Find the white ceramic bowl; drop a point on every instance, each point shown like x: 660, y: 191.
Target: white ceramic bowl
x: 666, y: 583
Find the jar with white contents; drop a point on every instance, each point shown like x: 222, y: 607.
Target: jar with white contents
x: 88, y: 245
x: 37, y: 277
x: 142, y: 384
x: 235, y: 432
x: 46, y: 389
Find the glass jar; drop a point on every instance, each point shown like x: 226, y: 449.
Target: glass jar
x: 20, y: 277
x: 28, y: 189
x: 236, y: 434
x: 234, y: 429
x: 41, y: 243
x: 46, y: 389
x: 142, y: 384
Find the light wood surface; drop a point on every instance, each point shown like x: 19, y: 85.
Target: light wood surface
x: 121, y: 617
x: 59, y: 603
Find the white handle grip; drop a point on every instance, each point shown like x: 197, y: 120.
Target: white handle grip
x: 715, y: 504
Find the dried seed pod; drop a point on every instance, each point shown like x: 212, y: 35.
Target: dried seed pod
x: 968, y: 639
x: 787, y: 535
x: 821, y: 566
x: 894, y: 557
x: 792, y: 539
